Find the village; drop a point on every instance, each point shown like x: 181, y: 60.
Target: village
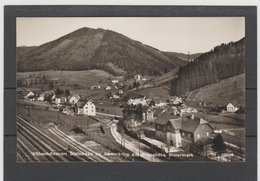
x: 170, y: 127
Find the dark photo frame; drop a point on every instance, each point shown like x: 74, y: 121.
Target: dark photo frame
x: 136, y: 170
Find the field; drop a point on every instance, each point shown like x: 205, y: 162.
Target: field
x: 67, y: 79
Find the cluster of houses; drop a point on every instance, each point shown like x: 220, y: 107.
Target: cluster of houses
x: 170, y: 124
x: 70, y: 105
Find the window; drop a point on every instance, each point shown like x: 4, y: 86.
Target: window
x: 157, y: 126
x: 198, y: 135
x: 207, y: 133
x: 188, y: 135
x: 91, y: 106
x: 183, y: 134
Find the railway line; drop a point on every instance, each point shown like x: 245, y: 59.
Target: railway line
x: 79, y: 147
x: 39, y: 142
x: 41, y: 146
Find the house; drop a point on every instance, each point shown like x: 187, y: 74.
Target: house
x: 74, y: 98
x: 63, y: 100
x: 95, y: 87
x: 41, y: 97
x: 160, y: 104
x: 114, y: 81
x: 79, y: 107
x: 232, y: 107
x: 28, y: 94
x: 114, y: 96
x: 195, y: 130
x: 175, y: 100
x: 108, y: 87
x: 66, y: 110
x: 50, y: 97
x: 120, y: 91
x: 89, y: 108
x: 57, y: 100
x: 138, y: 77
x: 147, y: 114
x: 137, y: 101
x: 167, y: 129
x: 157, y: 112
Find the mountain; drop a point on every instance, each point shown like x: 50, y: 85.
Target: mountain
x: 183, y: 56
x: 224, y: 61
x: 23, y: 49
x: 106, y: 50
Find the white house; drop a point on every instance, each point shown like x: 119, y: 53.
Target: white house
x: 89, y: 109
x: 114, y: 81
x: 231, y: 108
x: 74, y: 99
x: 138, y: 77
x: 28, y: 94
x: 41, y: 97
x: 108, y: 87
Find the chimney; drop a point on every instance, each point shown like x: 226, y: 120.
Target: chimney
x: 192, y: 116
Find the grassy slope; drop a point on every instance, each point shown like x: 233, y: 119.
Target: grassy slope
x: 225, y: 91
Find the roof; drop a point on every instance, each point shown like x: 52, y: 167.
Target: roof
x: 157, y: 112
x: 176, y: 123
x: 145, y: 108
x: 165, y: 117
x: 234, y: 103
x: 189, y: 124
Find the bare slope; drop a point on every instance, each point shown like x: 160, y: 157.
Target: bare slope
x: 224, y: 91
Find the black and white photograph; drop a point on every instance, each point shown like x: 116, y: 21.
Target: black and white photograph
x: 130, y: 89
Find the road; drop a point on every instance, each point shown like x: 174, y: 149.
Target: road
x: 134, y: 146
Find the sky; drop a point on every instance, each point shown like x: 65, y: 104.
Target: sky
x: 183, y: 35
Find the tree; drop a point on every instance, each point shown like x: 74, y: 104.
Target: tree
x: 59, y: 91
x: 51, y: 85
x: 67, y: 92
x: 19, y: 82
x: 218, y: 144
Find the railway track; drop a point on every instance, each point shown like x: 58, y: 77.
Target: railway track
x: 44, y: 143
x: 45, y: 148
x: 79, y: 147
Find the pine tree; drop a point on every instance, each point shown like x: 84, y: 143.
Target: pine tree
x: 218, y: 144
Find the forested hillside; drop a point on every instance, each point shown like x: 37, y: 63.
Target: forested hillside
x: 224, y: 61
x: 87, y: 48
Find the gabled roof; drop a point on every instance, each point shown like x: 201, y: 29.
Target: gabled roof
x: 176, y: 123
x: 189, y: 124
x: 145, y: 108
x: 234, y: 103
x: 165, y: 117
x: 157, y: 112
